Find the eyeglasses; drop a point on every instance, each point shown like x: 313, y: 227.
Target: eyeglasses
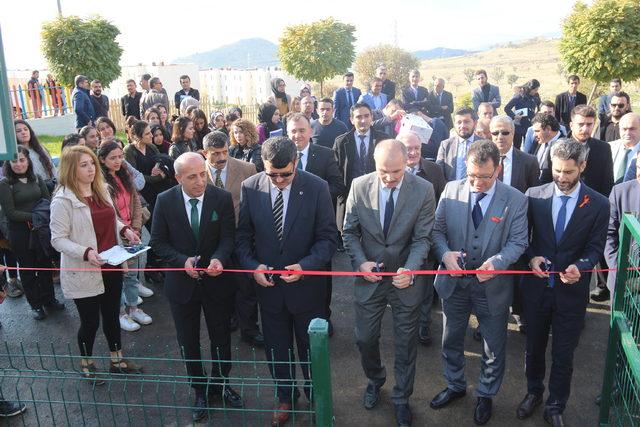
x: 483, y: 177
x: 279, y: 175
x: 620, y: 106
x: 501, y: 132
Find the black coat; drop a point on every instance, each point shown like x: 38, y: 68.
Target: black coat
x: 251, y: 155
x: 322, y: 163
x: 563, y: 114
x: 425, y: 102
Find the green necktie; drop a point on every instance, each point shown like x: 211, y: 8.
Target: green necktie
x: 218, y: 182
x: 622, y: 166
x: 195, y: 220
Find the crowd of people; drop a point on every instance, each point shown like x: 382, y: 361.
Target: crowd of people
x: 483, y: 191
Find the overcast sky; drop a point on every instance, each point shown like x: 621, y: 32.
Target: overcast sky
x: 162, y: 31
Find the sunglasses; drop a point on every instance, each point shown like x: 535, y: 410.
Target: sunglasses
x: 621, y: 106
x: 501, y: 132
x: 281, y: 175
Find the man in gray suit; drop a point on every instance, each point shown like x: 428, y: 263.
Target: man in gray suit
x: 489, y: 219
x: 452, y: 153
x: 485, y: 92
x: 389, y: 216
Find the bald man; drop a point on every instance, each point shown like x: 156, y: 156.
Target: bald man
x: 625, y: 149
x: 389, y: 216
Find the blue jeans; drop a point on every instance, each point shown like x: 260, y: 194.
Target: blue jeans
x: 131, y: 279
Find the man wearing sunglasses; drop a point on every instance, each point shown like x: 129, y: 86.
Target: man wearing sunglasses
x: 287, y: 222
x: 484, y: 221
x: 610, y: 124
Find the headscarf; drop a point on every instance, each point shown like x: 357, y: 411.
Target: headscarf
x: 265, y: 114
x: 274, y: 88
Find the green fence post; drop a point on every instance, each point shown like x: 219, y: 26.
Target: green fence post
x: 321, y: 372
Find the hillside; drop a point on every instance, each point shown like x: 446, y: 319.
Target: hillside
x: 440, y: 52
x: 247, y: 53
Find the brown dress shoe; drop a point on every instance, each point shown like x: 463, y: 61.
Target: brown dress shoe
x: 281, y: 414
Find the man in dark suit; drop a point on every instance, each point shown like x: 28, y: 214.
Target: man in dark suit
x: 388, y: 87
x: 445, y: 100
x: 519, y: 169
x: 485, y: 92
x: 319, y: 161
x: 227, y: 174
x: 187, y: 90
x: 130, y: 103
x: 568, y: 228
x: 286, y: 223
x: 546, y: 131
x: 428, y: 170
x: 452, y: 153
x: 354, y: 151
x: 345, y: 98
x: 388, y: 223
x: 567, y: 101
x: 624, y: 198
x: 193, y: 227
x: 417, y: 98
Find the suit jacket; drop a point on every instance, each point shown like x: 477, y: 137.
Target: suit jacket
x: 624, y: 198
x: 524, y: 171
x: 389, y: 89
x: 432, y: 173
x: 407, y: 243
x: 341, y: 104
x: 179, y: 96
x: 582, y: 244
x: 424, y: 102
x: 545, y: 167
x: 494, y: 97
x: 309, y: 239
x: 445, y: 99
x: 617, y: 153
x: 599, y: 171
x: 563, y: 114
x: 503, y: 242
x: 631, y: 171
x: 237, y: 171
x: 322, y: 163
x: 367, y: 98
x: 173, y: 241
x: 447, y: 154
x: 345, y: 151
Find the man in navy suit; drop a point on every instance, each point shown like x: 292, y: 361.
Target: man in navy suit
x: 286, y: 222
x: 344, y: 98
x: 568, y: 222
x: 193, y: 227
x: 417, y: 98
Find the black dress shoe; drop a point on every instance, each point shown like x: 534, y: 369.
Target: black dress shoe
x: 554, y: 419
x: 528, y: 405
x: 371, y: 395
x: 424, y: 336
x: 55, y: 305
x: 199, y: 411
x: 256, y: 340
x: 38, y: 313
x: 600, y: 294
x: 403, y: 414
x: 482, y: 414
x: 477, y: 335
x: 232, y: 398
x: 445, y: 397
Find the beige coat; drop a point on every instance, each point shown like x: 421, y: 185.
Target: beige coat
x: 71, y: 234
x: 237, y: 171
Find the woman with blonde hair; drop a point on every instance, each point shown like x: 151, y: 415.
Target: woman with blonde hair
x: 244, y: 143
x: 84, y: 224
x: 295, y: 105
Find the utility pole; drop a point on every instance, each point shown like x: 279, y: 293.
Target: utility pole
x: 59, y: 9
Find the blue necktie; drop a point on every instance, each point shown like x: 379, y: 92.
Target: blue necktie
x: 476, y: 213
x: 349, y: 98
x: 300, y: 154
x: 363, y: 153
x: 562, y: 218
x: 388, y: 212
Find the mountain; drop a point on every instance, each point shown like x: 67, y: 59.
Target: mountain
x: 440, y: 52
x: 247, y: 53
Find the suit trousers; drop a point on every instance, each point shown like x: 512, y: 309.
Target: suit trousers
x: 246, y: 303
x: 405, y: 339
x: 469, y: 295
x: 427, y: 301
x: 187, y: 321
x: 541, y: 317
x: 279, y: 329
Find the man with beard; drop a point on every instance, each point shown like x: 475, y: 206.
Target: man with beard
x: 228, y: 173
x: 485, y: 92
x: 557, y: 293
x: 610, y: 124
x: 546, y: 130
x: 452, y: 154
x: 130, y: 103
x: 100, y: 102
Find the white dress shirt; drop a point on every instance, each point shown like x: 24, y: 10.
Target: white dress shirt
x: 557, y: 204
x: 285, y: 199
x: 367, y: 137
x: 305, y: 157
x: 187, y: 205
x: 383, y: 197
x: 223, y: 174
x: 485, y: 202
x: 507, y: 167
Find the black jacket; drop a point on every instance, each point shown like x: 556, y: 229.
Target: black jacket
x: 177, y: 98
x: 563, y: 114
x: 322, y: 163
x: 251, y: 155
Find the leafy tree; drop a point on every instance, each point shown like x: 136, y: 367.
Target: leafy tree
x: 602, y: 41
x: 498, y: 74
x: 398, y: 62
x: 317, y: 51
x: 469, y: 74
x: 512, y: 79
x: 463, y: 101
x: 75, y: 46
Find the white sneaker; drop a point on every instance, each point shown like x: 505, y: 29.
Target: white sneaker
x: 140, y: 316
x: 127, y: 323
x: 139, y: 301
x: 143, y: 291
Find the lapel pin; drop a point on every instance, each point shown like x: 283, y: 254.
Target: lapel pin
x: 301, y: 193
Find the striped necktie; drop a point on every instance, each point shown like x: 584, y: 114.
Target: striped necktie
x: 277, y: 214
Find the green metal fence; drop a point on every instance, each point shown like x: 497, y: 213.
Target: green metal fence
x: 620, y: 404
x: 48, y: 380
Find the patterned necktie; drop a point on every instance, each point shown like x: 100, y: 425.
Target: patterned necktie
x: 363, y: 153
x: 195, y: 220
x: 219, y: 182
x: 388, y: 212
x: 300, y: 154
x: 501, y: 174
x: 277, y: 214
x: 349, y: 98
x: 476, y: 213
